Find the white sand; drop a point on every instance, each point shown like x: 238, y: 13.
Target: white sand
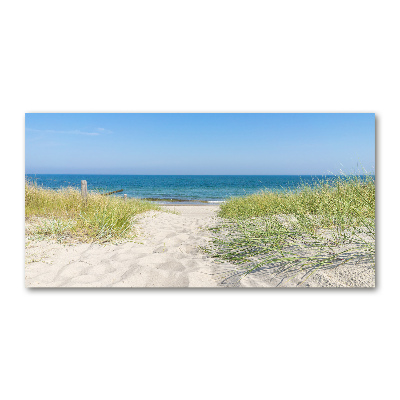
x: 165, y: 254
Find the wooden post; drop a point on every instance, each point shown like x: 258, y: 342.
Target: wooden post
x: 125, y: 197
x: 84, y: 189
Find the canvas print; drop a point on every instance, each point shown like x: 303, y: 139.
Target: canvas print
x: 196, y: 200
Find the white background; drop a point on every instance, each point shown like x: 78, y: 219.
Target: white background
x: 205, y: 56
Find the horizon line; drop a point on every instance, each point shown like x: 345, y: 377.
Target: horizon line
x: 83, y: 173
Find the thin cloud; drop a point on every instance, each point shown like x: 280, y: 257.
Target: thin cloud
x: 71, y: 132
x: 103, y: 130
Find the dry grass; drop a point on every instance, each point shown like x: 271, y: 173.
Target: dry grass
x: 64, y: 216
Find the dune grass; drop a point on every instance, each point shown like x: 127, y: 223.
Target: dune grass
x: 64, y: 216
x: 295, y: 233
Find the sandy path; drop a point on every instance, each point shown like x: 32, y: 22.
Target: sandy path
x: 165, y: 254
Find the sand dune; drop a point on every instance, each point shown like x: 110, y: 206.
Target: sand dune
x: 165, y: 254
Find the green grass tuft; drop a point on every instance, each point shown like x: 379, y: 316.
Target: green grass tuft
x: 63, y: 215
x: 295, y: 233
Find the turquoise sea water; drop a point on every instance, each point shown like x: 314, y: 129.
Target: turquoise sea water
x: 186, y: 188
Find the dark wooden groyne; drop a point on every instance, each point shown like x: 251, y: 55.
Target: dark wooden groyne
x: 84, y: 191
x: 115, y: 191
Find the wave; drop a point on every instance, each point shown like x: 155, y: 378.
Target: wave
x: 169, y: 200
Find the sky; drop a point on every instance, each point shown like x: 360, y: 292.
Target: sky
x: 199, y: 144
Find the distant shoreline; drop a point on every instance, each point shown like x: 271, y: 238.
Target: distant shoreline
x: 191, y: 205
x: 182, y: 202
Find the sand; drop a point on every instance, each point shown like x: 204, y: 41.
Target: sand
x: 165, y: 254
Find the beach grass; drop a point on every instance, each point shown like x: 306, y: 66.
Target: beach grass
x: 295, y: 233
x: 64, y: 215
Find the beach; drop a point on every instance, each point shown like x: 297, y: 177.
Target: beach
x: 165, y: 254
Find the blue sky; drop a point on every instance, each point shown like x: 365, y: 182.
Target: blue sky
x: 215, y: 144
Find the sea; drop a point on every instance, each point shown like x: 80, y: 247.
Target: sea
x: 183, y: 189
